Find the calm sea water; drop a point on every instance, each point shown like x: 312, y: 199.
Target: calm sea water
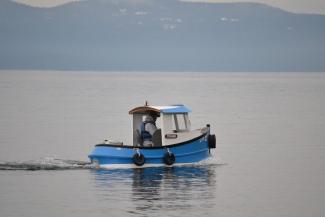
x: 269, y: 159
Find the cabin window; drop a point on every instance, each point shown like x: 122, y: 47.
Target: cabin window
x: 174, y: 123
x: 179, y: 122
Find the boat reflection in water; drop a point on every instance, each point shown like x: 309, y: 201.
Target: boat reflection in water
x: 157, y: 191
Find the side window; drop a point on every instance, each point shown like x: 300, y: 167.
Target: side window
x: 179, y: 122
x: 174, y: 123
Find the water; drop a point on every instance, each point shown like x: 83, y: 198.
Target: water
x: 269, y: 159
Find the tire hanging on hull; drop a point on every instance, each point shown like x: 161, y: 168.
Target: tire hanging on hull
x: 212, y: 141
x: 169, y: 158
x: 138, y: 159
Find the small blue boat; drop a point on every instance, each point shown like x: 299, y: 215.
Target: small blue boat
x: 172, y: 141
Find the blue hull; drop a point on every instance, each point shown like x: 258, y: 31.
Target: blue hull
x: 187, y: 152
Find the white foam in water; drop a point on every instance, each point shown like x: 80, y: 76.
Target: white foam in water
x: 51, y: 163
x: 47, y: 163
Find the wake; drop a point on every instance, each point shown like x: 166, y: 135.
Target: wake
x: 50, y: 163
x: 46, y: 164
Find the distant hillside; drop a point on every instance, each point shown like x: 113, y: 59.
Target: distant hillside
x: 160, y: 35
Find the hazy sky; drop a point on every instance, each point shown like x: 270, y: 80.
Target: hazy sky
x: 300, y: 6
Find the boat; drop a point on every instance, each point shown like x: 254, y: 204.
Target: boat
x: 173, y: 142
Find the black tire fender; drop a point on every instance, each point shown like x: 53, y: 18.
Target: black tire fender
x: 139, y: 159
x: 212, y: 141
x: 169, y: 158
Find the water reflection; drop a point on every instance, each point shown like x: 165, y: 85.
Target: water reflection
x: 160, y: 190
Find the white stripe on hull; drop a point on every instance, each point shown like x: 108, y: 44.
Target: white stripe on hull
x: 131, y: 166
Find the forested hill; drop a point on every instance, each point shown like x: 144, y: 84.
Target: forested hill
x: 160, y: 35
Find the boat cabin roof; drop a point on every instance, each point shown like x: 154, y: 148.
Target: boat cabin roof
x: 160, y: 109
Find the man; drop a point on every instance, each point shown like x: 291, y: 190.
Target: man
x: 148, y: 127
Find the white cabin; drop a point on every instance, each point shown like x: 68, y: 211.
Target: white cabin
x: 173, y: 125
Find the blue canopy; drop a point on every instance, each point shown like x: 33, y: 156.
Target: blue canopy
x: 175, y: 109
x: 161, y: 109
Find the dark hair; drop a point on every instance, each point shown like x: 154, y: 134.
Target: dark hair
x: 154, y: 115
